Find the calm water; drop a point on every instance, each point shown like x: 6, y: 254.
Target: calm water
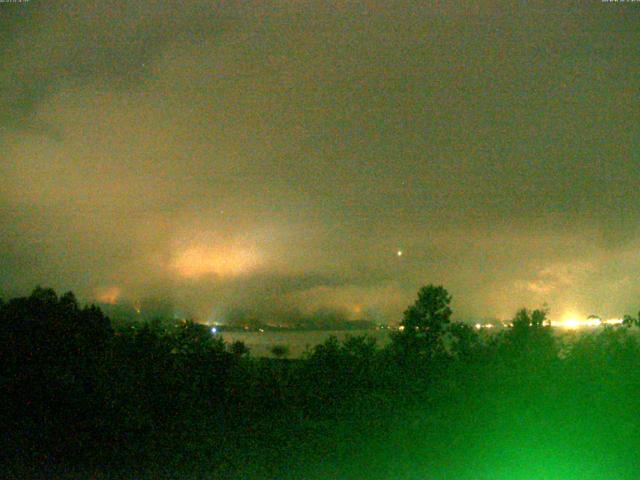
x: 260, y: 344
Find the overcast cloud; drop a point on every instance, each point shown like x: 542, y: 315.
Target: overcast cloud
x: 277, y: 156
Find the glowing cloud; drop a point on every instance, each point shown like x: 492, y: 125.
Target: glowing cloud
x: 198, y: 261
x: 108, y: 295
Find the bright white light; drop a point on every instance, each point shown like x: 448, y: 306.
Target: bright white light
x: 614, y: 321
x: 399, y: 253
x: 593, y: 322
x: 214, y: 329
x: 571, y: 320
x: 481, y: 326
x: 571, y: 323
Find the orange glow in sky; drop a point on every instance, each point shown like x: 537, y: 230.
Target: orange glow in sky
x: 195, y: 262
x: 108, y: 295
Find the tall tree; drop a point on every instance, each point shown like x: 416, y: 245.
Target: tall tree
x: 430, y: 313
x: 531, y: 337
x: 424, y: 324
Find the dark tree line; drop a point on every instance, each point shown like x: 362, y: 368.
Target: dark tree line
x: 81, y: 399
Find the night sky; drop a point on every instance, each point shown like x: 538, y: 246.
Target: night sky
x: 280, y: 156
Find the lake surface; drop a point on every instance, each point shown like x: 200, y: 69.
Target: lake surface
x: 261, y: 343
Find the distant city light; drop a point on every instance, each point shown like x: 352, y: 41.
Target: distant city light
x: 480, y: 326
x: 214, y: 329
x: 569, y: 323
x: 614, y: 321
x: 399, y: 253
x: 573, y: 323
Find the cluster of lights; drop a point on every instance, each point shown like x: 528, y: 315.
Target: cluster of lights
x: 575, y: 323
x: 481, y: 326
x: 571, y: 323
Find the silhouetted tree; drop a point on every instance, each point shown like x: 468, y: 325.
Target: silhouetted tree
x: 525, y: 320
x: 430, y: 312
x: 630, y: 321
x: 76, y: 395
x: 424, y: 324
x: 192, y: 337
x: 239, y: 348
x: 464, y: 340
x: 531, y: 337
x: 280, y: 351
x: 360, y: 347
x: 51, y: 355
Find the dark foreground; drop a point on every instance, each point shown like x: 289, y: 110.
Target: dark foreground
x: 81, y: 400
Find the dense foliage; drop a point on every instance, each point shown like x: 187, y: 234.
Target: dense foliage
x: 82, y: 400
